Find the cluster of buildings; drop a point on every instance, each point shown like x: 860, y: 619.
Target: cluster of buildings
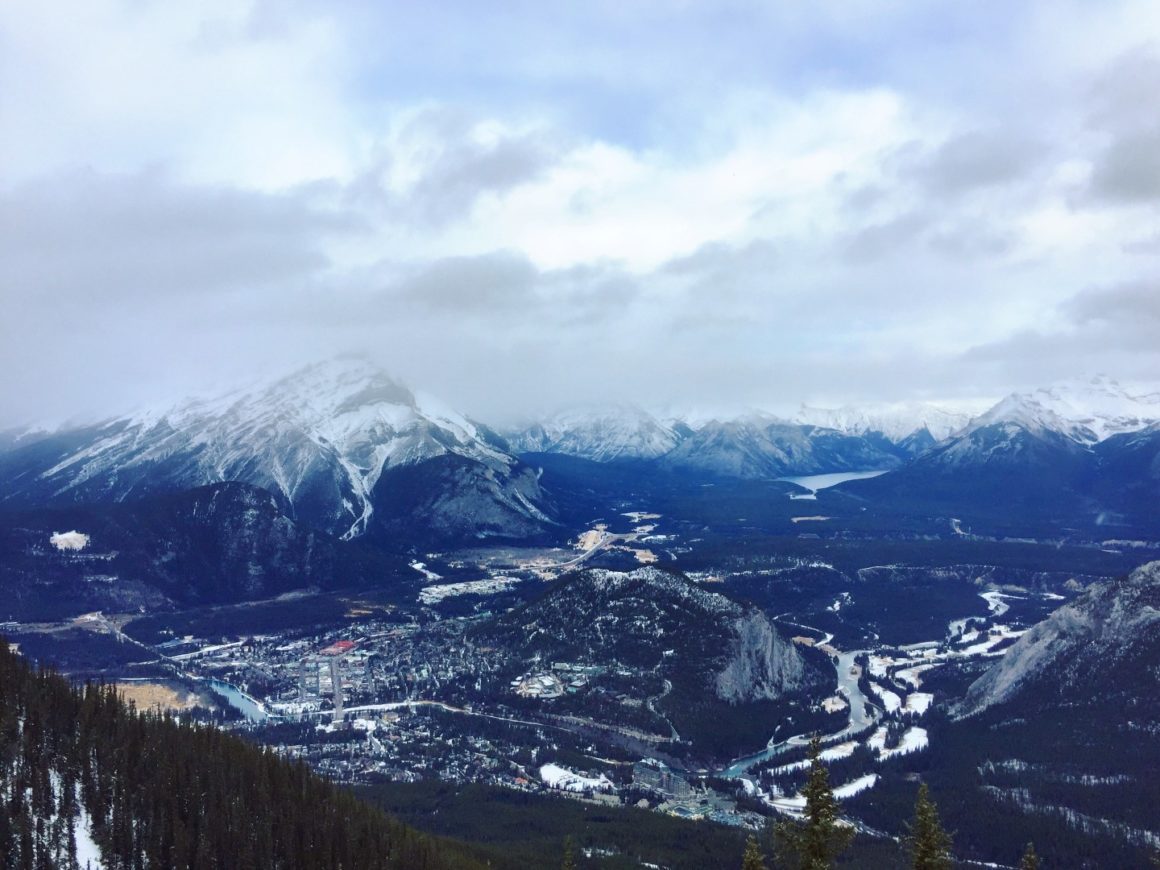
x: 564, y: 678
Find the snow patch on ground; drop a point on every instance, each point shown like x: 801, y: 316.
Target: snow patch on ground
x: 562, y: 778
x: 889, y: 699
x: 918, y: 702
x: 431, y: 576
x: 73, y: 540
x: 914, y: 740
x: 435, y: 594
x: 856, y: 786
x: 88, y: 853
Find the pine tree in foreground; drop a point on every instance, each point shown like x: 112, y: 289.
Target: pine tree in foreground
x: 1030, y: 860
x: 815, y: 842
x: 753, y: 859
x: 569, y: 855
x: 930, y: 845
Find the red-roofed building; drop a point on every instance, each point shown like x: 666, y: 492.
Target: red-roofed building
x: 338, y: 648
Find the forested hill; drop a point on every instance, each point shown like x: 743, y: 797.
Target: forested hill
x: 79, y: 768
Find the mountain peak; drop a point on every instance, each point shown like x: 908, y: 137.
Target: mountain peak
x: 1086, y: 410
x: 894, y: 420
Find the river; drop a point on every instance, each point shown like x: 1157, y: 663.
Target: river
x: 858, y: 719
x: 239, y: 700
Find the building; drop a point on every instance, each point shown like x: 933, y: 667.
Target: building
x: 657, y: 776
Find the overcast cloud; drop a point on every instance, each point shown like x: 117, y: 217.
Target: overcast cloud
x: 517, y: 206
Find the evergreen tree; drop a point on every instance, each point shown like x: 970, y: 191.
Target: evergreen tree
x: 569, y: 855
x: 752, y: 859
x: 930, y: 845
x: 164, y: 793
x: 815, y: 842
x: 1030, y: 860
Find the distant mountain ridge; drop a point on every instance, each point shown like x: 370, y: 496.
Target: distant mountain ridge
x: 756, y: 444
x: 348, y: 450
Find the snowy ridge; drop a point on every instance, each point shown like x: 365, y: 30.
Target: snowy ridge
x: 1085, y: 411
x: 323, y: 435
x: 895, y: 420
x: 601, y: 434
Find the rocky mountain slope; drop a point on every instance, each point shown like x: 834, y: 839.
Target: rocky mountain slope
x: 1102, y: 649
x: 325, y: 440
x: 653, y: 619
x: 602, y: 434
x: 221, y: 543
x: 758, y: 447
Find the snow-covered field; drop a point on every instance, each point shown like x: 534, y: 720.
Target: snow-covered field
x: 564, y: 779
x: 855, y: 786
x: 918, y: 703
x: 889, y: 699
x: 431, y: 576
x: 73, y: 540
x: 435, y: 594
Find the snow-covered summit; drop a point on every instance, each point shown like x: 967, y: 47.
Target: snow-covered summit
x: 1085, y: 410
x: 1025, y: 412
x: 601, y: 433
x: 321, y: 437
x: 896, y: 420
x: 1101, y: 404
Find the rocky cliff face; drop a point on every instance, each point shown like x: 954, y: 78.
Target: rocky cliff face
x: 1102, y: 648
x: 760, y: 664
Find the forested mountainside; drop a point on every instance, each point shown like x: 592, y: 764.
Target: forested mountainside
x: 84, y: 779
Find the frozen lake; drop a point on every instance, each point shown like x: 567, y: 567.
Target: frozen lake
x: 817, y: 482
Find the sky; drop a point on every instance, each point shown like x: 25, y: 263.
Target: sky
x: 522, y: 206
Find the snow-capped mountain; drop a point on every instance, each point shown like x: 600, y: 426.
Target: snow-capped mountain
x: 762, y: 446
x: 894, y: 421
x: 1024, y: 459
x: 1085, y: 411
x: 1100, y: 405
x: 602, y: 434
x: 323, y: 439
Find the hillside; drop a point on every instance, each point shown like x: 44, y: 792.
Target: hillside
x: 83, y: 775
x: 325, y: 440
x: 727, y: 672
x: 1100, y: 650
x: 221, y: 543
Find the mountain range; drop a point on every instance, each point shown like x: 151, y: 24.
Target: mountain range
x: 346, y: 449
